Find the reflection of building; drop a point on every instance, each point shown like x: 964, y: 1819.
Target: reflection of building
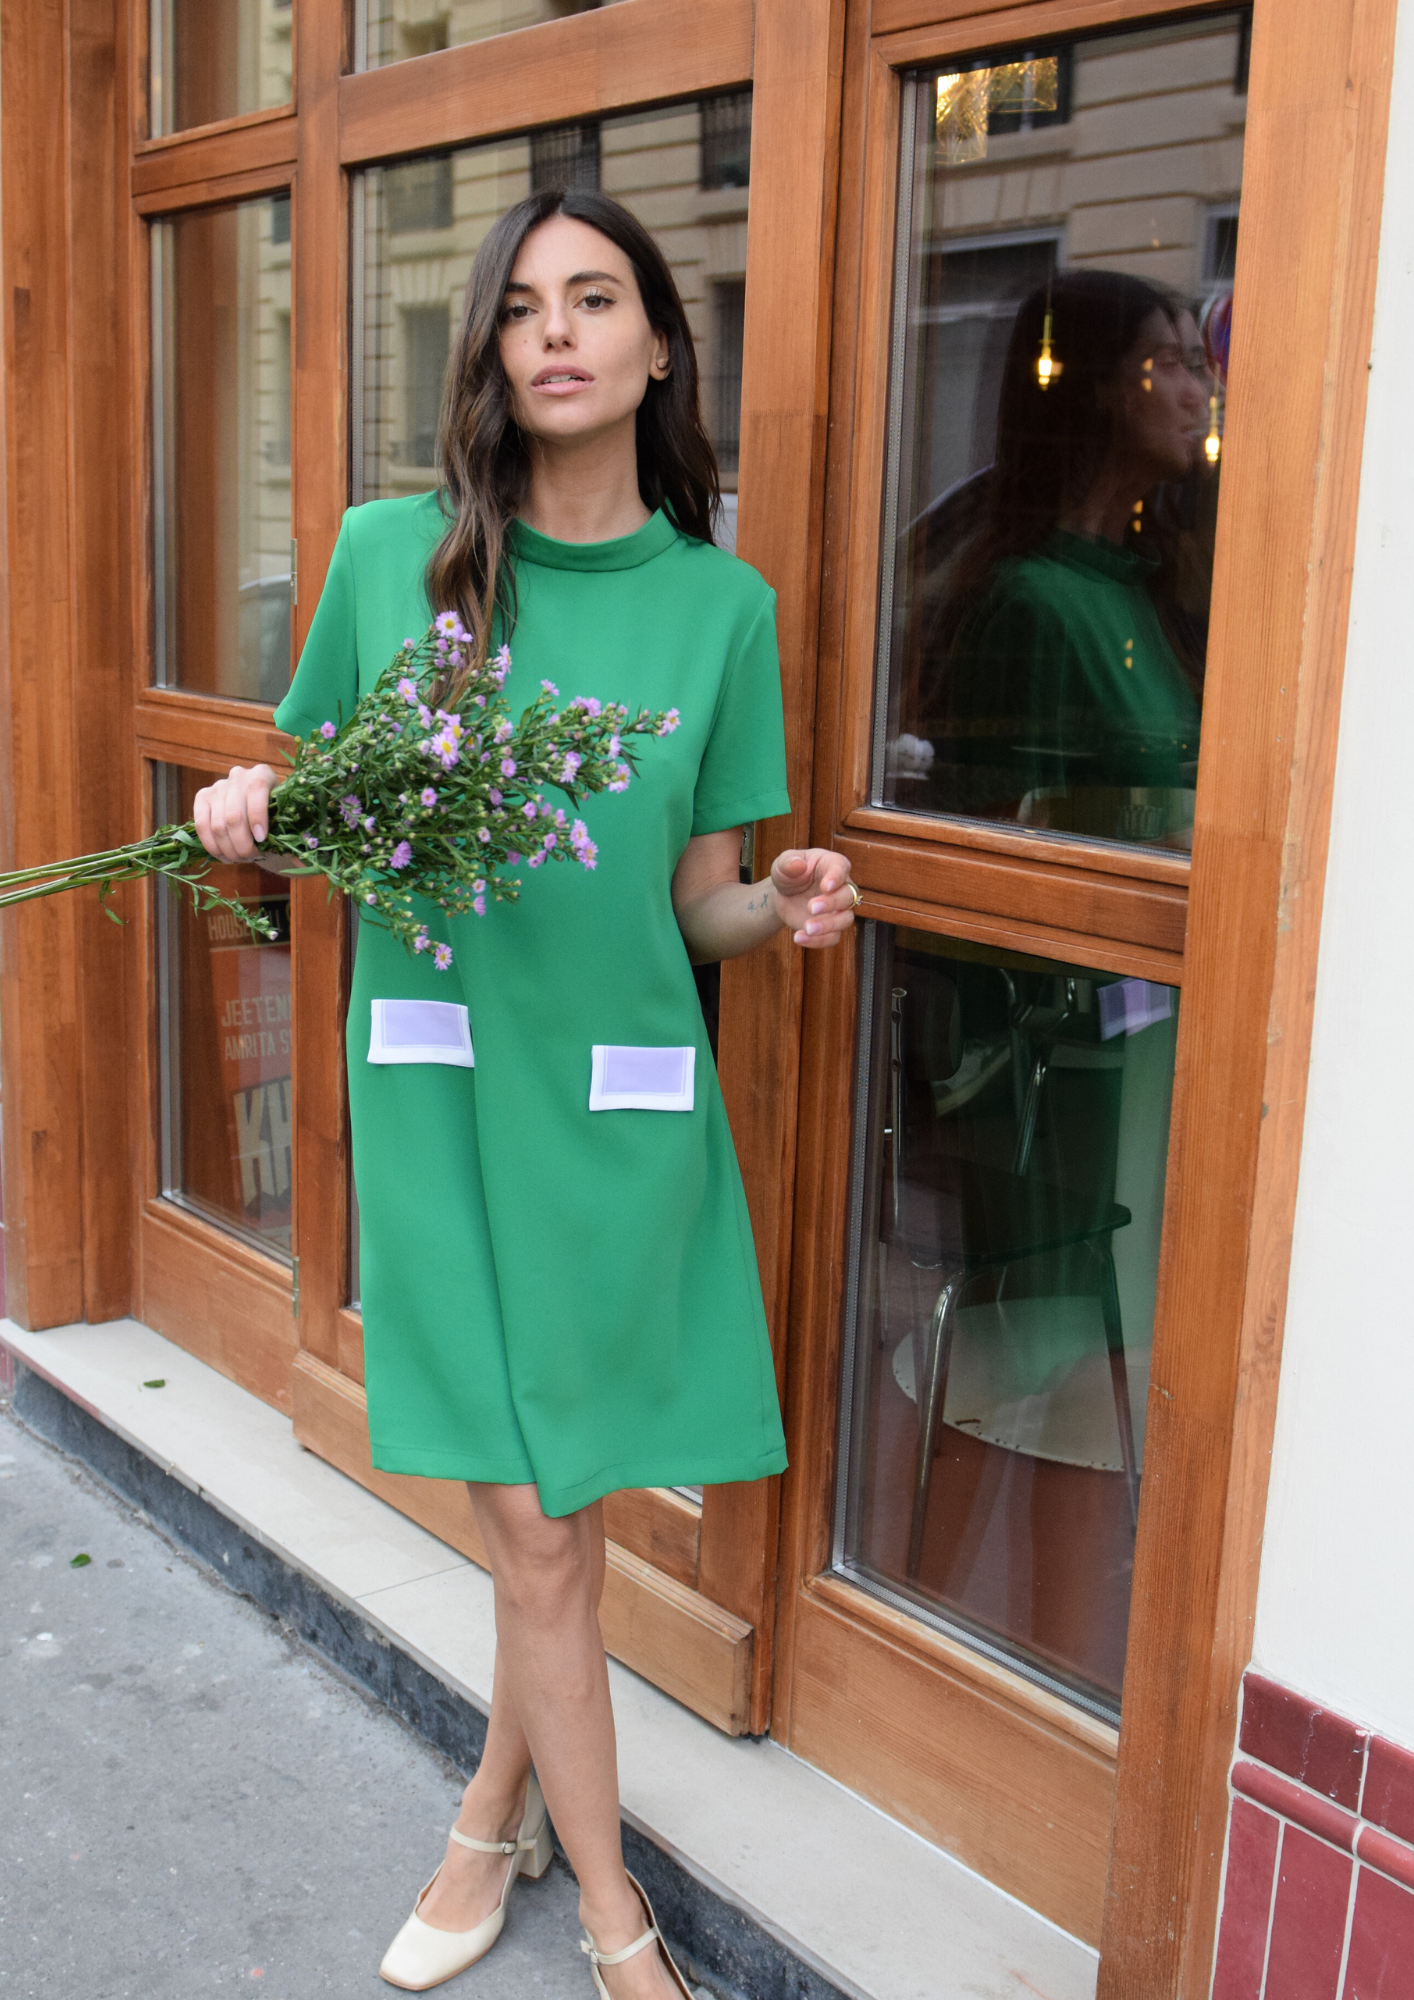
x: 218, y: 62
x: 683, y: 171
x: 1136, y: 169
x: 1131, y: 181
x: 221, y: 281
x: 391, y: 30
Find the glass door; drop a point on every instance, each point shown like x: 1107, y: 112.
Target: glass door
x: 1039, y: 410
x: 213, y: 234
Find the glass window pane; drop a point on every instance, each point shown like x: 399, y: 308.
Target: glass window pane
x: 1067, y: 239
x: 1008, y: 1185
x: 387, y: 31
x: 215, y: 59
x: 226, y: 1045
x: 684, y: 172
x: 221, y: 449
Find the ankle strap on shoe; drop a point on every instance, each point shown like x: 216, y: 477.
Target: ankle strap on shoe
x: 489, y: 1846
x: 597, y: 1957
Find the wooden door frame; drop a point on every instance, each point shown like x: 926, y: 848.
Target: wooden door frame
x: 1318, y: 91
x: 706, y: 1579
x: 63, y: 683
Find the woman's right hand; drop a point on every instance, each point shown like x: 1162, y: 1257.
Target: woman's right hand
x: 233, y: 815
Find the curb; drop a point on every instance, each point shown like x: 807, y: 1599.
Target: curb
x: 720, y: 1946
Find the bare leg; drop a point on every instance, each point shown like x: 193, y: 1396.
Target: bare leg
x: 468, y: 1886
x: 548, y: 1576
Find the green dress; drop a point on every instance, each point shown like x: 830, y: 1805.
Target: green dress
x: 554, y: 1294
x: 1062, y: 680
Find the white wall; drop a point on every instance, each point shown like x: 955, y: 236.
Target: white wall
x: 1335, y: 1608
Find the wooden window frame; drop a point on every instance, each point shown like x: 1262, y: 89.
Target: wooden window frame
x: 982, y: 1774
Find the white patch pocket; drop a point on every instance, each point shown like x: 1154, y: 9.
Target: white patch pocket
x: 421, y: 1031
x: 627, y: 1079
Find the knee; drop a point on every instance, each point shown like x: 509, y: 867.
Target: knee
x: 544, y: 1575
x: 540, y: 1565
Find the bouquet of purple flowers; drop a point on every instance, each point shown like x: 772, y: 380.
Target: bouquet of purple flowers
x: 428, y: 790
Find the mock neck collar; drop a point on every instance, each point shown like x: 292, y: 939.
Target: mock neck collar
x: 624, y: 552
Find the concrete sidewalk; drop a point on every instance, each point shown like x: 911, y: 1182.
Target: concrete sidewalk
x: 194, y: 1802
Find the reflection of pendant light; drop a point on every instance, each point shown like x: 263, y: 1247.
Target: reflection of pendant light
x: 1213, y: 442
x: 1136, y: 519
x: 1047, y: 366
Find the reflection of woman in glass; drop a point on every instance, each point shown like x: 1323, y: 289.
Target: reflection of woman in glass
x: 1061, y: 634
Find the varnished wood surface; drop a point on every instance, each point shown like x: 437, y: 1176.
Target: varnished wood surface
x: 695, y: 1651
x: 190, y: 729
x: 859, y: 412
x: 785, y: 398
x: 226, y: 1304
x: 1019, y: 843
x: 319, y: 427
x: 636, y: 53
x: 348, y: 1328
x: 62, y: 683
x: 949, y: 26
x: 1319, y: 93
x: 658, y: 1526
x: 960, y: 1662
x: 1077, y: 948
x: 263, y: 143
x: 1025, y: 1804
x: 681, y: 1641
x: 211, y: 193
x: 107, y: 808
x: 1052, y: 897
x: 819, y: 1242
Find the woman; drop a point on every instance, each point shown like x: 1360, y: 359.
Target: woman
x: 1065, y: 654
x: 559, y: 1303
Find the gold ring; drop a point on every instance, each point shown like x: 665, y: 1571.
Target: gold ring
x: 853, y: 889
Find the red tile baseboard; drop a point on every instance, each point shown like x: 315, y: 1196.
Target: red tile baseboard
x: 1318, y: 1886
x: 1310, y: 1744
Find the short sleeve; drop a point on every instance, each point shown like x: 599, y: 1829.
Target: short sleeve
x: 325, y: 686
x: 742, y: 776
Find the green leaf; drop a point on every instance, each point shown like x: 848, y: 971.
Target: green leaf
x: 80, y: 1561
x: 160, y: 1383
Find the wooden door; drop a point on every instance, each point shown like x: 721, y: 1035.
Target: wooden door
x: 363, y: 189
x: 987, y: 154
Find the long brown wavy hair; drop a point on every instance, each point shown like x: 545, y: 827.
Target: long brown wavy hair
x: 481, y: 452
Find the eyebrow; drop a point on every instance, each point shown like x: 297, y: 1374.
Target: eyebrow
x: 576, y: 278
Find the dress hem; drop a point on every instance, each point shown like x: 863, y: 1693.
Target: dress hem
x: 418, y: 1463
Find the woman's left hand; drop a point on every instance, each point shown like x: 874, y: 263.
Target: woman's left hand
x: 814, y: 896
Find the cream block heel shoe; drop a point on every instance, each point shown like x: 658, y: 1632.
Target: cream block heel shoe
x: 598, y: 1958
x: 421, y: 1956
